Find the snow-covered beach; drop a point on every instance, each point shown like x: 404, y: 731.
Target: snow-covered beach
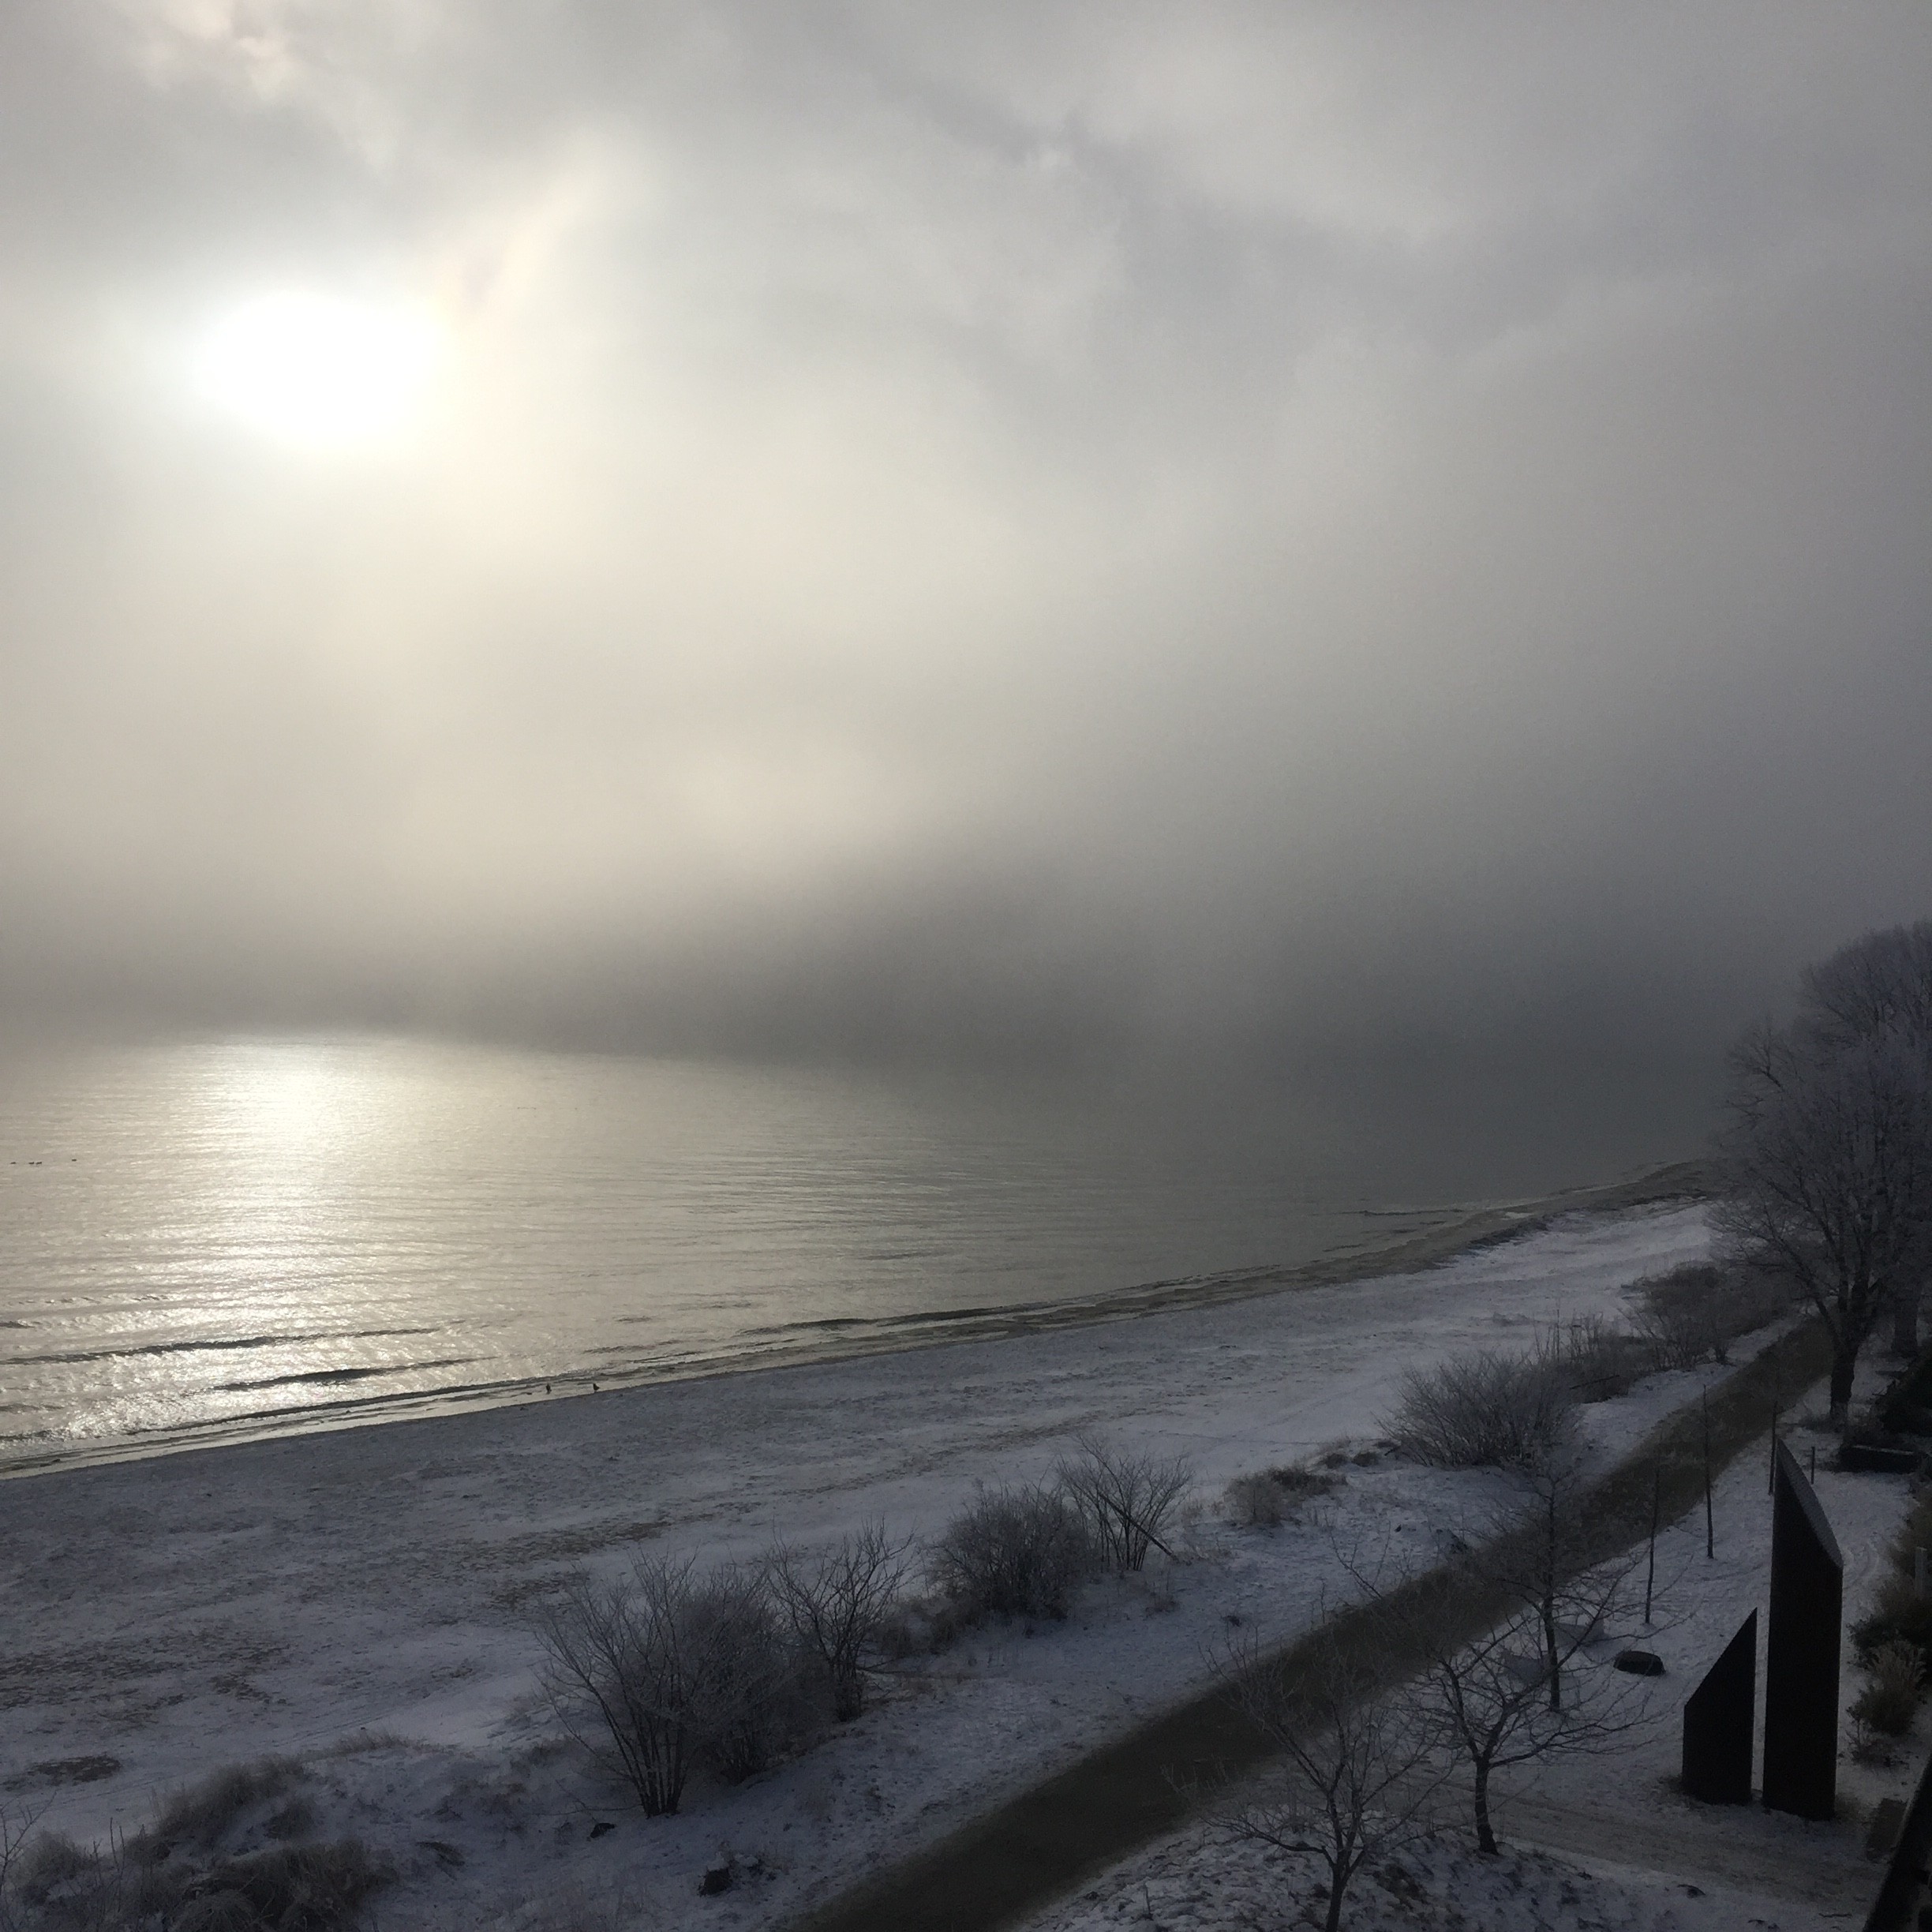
x: 360, y: 1599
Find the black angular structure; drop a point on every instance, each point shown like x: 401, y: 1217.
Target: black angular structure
x: 1801, y: 1650
x: 1719, y: 1723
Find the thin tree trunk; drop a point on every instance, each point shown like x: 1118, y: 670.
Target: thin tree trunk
x: 1336, y: 1881
x: 1905, y: 1321
x: 1485, y: 1838
x: 1844, y: 1365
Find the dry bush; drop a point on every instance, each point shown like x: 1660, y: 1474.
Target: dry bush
x: 666, y: 1669
x: 1255, y: 1501
x: 201, y: 1815
x: 1870, y: 1747
x: 1302, y: 1485
x: 620, y: 1675
x: 52, y: 1885
x: 1692, y: 1313
x: 1015, y: 1551
x: 1914, y: 1534
x: 1601, y: 1360
x: 1486, y: 1407
x: 1270, y: 1497
x: 1889, y: 1701
x: 1127, y: 1500
x: 838, y: 1600
x: 51, y: 1881
x: 747, y: 1695
x: 292, y: 1889
x: 1898, y: 1614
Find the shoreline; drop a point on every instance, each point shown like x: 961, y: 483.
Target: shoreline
x: 1456, y: 1232
x: 363, y: 1602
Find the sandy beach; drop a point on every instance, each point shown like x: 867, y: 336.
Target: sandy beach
x: 366, y: 1591
x: 360, y: 1602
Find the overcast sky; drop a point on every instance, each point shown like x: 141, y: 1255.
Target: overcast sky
x: 1365, y: 533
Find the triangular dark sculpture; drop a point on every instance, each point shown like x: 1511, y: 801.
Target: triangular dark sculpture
x: 1801, y: 1650
x: 1718, y: 1724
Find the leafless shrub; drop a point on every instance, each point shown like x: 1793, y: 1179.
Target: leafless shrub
x: 1256, y: 1502
x: 1269, y: 1497
x: 1356, y: 1778
x: 1692, y: 1314
x: 837, y: 1601
x: 1601, y: 1360
x: 1126, y: 1499
x: 620, y: 1673
x: 667, y: 1668
x: 1015, y: 1551
x: 1486, y: 1407
x: 1888, y: 1702
x: 747, y: 1699
x: 13, y: 1831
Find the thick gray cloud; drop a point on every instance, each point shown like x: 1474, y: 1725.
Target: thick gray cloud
x: 1388, y: 538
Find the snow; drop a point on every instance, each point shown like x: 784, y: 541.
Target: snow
x: 361, y: 1599
x: 1604, y: 1839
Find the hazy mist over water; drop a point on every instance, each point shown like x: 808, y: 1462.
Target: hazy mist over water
x: 1196, y: 616
x: 264, y: 1233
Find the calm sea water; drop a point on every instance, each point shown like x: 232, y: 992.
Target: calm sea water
x: 211, y: 1238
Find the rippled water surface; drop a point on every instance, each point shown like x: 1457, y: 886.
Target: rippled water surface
x: 214, y: 1238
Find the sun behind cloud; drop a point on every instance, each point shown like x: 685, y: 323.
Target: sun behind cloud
x: 318, y: 371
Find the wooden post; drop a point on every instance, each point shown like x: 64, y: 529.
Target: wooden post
x: 1710, y: 1532
x: 1656, y: 1483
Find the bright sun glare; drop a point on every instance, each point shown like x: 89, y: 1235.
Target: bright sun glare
x: 316, y: 370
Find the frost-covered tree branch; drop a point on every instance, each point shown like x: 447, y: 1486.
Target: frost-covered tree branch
x: 1828, y: 1156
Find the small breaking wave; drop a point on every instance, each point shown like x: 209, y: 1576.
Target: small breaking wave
x: 214, y: 1344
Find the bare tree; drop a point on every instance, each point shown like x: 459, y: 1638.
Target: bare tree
x: 837, y: 1599
x: 1828, y: 1153
x: 1880, y: 983
x: 1540, y: 1558
x: 1126, y: 1499
x: 1881, y: 980
x: 1525, y: 1691
x: 1358, y: 1764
